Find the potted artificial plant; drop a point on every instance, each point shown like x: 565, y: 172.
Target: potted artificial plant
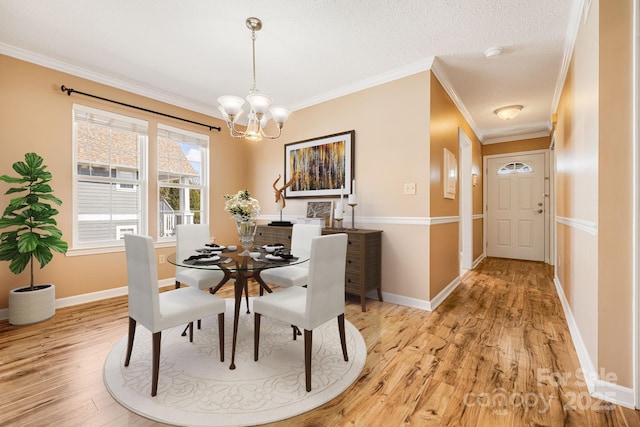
x: 32, y: 234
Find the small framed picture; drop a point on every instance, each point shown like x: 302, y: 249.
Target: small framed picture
x: 450, y: 171
x: 321, y: 210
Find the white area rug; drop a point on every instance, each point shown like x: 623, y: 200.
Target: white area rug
x: 196, y: 389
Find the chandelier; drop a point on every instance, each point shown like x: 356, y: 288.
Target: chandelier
x: 259, y: 113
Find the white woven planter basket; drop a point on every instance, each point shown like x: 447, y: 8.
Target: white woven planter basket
x: 30, y: 307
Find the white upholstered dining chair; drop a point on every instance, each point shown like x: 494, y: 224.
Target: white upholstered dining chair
x: 310, y: 307
x: 190, y: 237
x: 158, y: 311
x: 294, y: 275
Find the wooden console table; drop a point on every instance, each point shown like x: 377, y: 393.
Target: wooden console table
x: 364, y: 256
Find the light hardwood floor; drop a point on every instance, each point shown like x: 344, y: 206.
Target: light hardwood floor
x: 497, y: 352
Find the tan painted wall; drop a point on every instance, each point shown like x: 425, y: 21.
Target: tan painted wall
x: 615, y: 207
x: 388, y: 153
x: 531, y: 144
x: 444, y: 245
x: 594, y: 174
x: 443, y: 256
x: 36, y: 116
x: 478, y: 209
x: 576, y: 153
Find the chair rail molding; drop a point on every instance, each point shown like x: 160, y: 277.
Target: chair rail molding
x: 579, y: 224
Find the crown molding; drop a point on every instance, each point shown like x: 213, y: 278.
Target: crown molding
x: 387, y: 77
x: 108, y: 80
x: 495, y: 136
x: 575, y: 17
x: 442, y: 77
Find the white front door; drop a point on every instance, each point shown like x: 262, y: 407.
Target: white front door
x: 515, y: 207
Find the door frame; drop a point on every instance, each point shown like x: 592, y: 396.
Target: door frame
x: 552, y: 200
x: 549, y: 195
x: 466, y: 201
x: 635, y: 244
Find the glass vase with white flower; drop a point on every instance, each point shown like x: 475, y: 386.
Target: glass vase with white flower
x: 244, y: 209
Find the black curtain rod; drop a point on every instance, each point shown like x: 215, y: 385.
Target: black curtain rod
x: 70, y: 91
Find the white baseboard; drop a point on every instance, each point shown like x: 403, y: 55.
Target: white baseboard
x: 401, y: 300
x: 600, y: 389
x: 478, y: 260
x: 614, y: 393
x: 439, y: 299
x: 91, y: 297
x: 428, y: 305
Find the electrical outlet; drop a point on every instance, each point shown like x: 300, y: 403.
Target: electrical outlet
x: 161, y: 258
x: 409, y: 188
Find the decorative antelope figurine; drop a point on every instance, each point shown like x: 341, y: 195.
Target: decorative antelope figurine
x: 280, y: 199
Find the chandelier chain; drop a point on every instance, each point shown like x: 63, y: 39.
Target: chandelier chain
x: 253, y: 43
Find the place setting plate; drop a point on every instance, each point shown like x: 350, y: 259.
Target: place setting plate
x: 273, y: 247
x: 209, y: 250
x: 276, y: 258
x: 206, y: 260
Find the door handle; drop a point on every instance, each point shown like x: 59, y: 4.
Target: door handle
x: 539, y: 211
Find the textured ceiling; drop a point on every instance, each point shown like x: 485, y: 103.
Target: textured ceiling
x: 190, y: 52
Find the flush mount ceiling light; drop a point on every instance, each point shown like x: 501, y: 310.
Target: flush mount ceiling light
x: 508, y: 112
x: 493, y: 52
x: 259, y: 113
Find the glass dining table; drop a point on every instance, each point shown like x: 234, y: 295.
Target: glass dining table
x: 241, y: 268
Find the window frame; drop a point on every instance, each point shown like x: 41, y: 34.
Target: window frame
x: 103, y: 246
x: 201, y: 140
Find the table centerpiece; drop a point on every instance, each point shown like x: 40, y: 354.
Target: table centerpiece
x: 244, y: 209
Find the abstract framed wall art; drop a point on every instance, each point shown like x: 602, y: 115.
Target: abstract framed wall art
x: 321, y: 167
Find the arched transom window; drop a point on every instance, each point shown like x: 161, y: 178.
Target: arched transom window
x: 515, y: 167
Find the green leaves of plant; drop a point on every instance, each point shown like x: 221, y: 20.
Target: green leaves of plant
x: 30, y: 217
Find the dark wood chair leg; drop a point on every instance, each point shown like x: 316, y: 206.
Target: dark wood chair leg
x: 256, y: 335
x: 190, y: 331
x: 132, y: 335
x: 155, y: 365
x: 308, y: 344
x: 221, y: 335
x: 343, y: 339
x: 199, y: 324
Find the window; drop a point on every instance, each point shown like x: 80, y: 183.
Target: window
x: 109, y: 181
x: 121, y: 230
x: 182, y: 179
x: 515, y: 167
x: 126, y: 174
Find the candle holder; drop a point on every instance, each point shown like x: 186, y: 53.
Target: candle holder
x: 339, y: 223
x: 353, y: 214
